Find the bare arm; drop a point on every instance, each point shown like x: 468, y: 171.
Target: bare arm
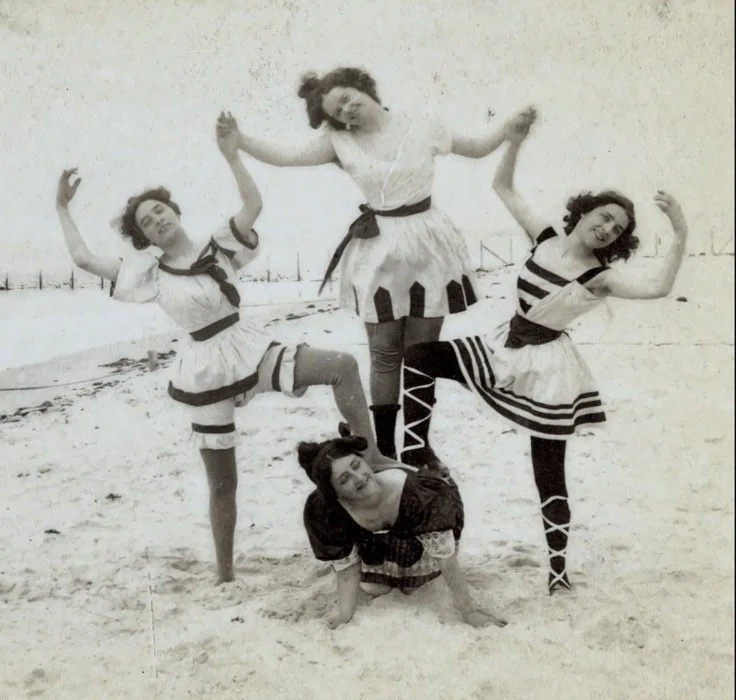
x: 481, y: 146
x: 503, y: 185
x: 459, y: 589
x: 319, y: 151
x: 348, y: 585
x: 100, y: 265
x: 617, y: 284
x: 227, y: 141
x: 478, y: 146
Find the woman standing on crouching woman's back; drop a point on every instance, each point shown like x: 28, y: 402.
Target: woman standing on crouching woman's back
x: 226, y: 360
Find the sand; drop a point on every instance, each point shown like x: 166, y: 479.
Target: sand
x: 107, y: 575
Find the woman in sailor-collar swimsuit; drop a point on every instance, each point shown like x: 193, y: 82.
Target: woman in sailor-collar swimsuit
x: 528, y: 370
x: 226, y: 360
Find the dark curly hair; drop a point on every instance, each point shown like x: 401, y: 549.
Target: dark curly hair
x: 129, y: 226
x: 625, y: 244
x: 316, y: 459
x: 313, y: 89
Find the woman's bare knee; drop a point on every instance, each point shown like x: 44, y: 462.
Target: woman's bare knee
x: 346, y: 364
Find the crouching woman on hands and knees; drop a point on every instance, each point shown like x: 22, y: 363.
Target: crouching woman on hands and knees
x: 395, y: 529
x: 224, y: 360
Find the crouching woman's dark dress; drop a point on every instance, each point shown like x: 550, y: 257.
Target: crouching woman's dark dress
x: 427, y: 528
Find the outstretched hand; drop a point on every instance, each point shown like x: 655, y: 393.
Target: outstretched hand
x: 227, y: 134
x: 517, y: 128
x: 67, y: 187
x: 667, y: 203
x: 671, y: 207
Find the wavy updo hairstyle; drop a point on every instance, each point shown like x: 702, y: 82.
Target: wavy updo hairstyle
x: 129, y: 226
x: 313, y: 89
x: 582, y: 204
x: 316, y: 459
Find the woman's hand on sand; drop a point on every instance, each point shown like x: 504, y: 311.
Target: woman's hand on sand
x: 337, y: 619
x: 67, y: 188
x: 482, y: 618
x: 228, y: 135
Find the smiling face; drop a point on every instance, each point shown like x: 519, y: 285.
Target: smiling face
x: 158, y: 221
x: 353, y: 479
x: 348, y: 106
x: 602, y: 226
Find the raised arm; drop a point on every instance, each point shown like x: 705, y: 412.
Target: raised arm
x: 100, y: 265
x: 481, y: 146
x: 616, y: 283
x: 503, y: 182
x: 319, y: 151
x: 227, y: 141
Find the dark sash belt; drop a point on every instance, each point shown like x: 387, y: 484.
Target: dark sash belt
x: 523, y: 332
x: 214, y: 328
x: 365, y: 226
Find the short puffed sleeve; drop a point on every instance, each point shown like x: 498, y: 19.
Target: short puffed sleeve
x: 329, y: 531
x: 137, y: 279
x: 240, y: 248
x: 441, y: 139
x: 439, y: 545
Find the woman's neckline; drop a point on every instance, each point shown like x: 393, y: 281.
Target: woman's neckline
x: 557, y: 257
x: 350, y: 509
x: 166, y: 266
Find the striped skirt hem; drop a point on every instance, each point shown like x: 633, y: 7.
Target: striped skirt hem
x: 558, y: 420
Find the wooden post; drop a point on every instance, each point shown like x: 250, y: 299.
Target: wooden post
x: 71, y: 281
x: 153, y: 361
x: 298, y: 269
x: 7, y: 284
x: 40, y: 279
x: 102, y: 282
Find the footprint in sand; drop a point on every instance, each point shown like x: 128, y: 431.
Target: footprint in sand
x: 226, y: 595
x: 302, y: 605
x: 518, y: 562
x: 521, y: 555
x: 302, y: 591
x: 36, y: 678
x: 617, y: 631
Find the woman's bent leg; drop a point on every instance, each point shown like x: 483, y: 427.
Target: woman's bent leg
x: 339, y: 370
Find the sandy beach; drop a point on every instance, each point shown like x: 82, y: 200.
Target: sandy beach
x: 107, y: 578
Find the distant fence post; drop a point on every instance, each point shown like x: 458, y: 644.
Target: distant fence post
x: 71, y: 281
x: 7, y: 284
x: 298, y: 269
x: 40, y: 279
x: 102, y: 282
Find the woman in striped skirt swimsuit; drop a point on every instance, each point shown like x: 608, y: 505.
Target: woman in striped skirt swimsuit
x: 528, y: 369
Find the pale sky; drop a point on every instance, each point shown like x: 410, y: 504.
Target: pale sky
x: 632, y: 94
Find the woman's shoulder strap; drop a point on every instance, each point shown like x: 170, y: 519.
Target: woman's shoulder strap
x: 590, y: 274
